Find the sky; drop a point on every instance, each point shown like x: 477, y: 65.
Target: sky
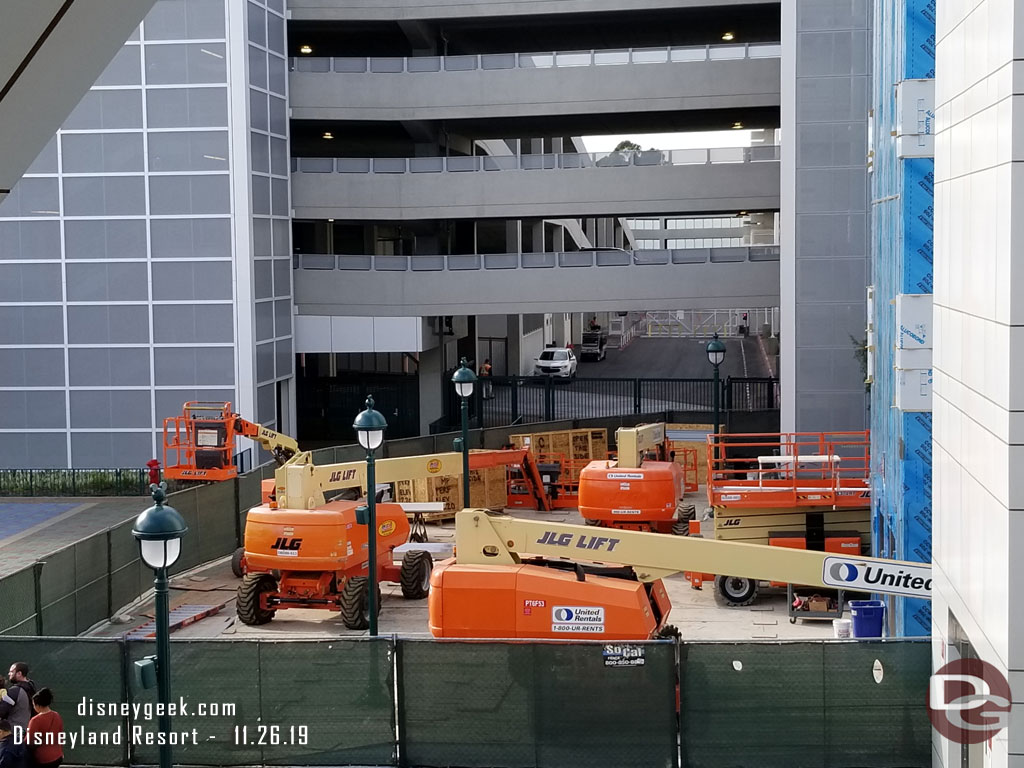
x: 692, y: 140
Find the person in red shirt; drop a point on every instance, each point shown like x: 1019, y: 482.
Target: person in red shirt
x: 44, y: 732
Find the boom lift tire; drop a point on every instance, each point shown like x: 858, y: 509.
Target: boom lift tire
x: 591, y: 521
x: 684, y: 514
x: 415, y: 574
x: 355, y: 609
x: 735, y: 591
x: 236, y: 562
x: 249, y: 591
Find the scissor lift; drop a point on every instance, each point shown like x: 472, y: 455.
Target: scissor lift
x: 809, y: 490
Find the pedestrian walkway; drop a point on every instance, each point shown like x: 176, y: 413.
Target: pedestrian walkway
x: 31, y: 529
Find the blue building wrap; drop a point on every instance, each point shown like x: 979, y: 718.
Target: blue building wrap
x: 902, y: 212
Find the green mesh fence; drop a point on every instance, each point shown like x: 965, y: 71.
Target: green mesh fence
x: 288, y: 703
x: 18, y: 603
x: 521, y: 705
x: 805, y: 704
x: 548, y: 704
x: 877, y: 722
x: 215, y: 533
x: 343, y: 691
x: 81, y: 673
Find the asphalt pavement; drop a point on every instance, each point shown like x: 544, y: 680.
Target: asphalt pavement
x: 677, y: 358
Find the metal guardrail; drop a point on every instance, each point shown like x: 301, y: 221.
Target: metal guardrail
x: 539, y: 162
x: 531, y: 399
x: 535, y: 60
x: 555, y: 260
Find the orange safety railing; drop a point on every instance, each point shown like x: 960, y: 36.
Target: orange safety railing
x: 789, y: 469
x: 687, y: 457
x: 198, y: 445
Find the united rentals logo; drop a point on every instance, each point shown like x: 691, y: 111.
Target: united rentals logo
x: 969, y: 701
x: 878, y: 576
x: 434, y: 466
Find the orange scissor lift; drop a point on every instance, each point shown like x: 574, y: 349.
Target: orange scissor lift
x: 804, y: 490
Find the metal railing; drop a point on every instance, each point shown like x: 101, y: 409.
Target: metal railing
x: 535, y: 60
x: 703, y: 323
x: 530, y: 399
x: 555, y: 260
x: 763, y: 153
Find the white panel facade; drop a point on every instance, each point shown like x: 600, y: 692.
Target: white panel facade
x: 978, y: 493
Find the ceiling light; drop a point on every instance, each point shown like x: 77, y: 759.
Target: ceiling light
x: 728, y: 36
x: 328, y: 135
x: 306, y: 49
x: 737, y: 125
x: 330, y: 219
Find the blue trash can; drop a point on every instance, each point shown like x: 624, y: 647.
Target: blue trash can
x: 868, y: 617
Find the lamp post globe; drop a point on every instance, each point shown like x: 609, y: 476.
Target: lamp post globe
x: 369, y: 426
x: 463, y: 379
x: 159, y: 530
x: 716, y: 351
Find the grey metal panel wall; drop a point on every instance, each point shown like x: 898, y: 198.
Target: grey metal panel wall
x: 830, y: 268
x: 124, y: 308
x: 584, y: 192
x: 726, y: 84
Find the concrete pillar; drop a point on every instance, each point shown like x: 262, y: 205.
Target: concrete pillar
x: 514, y: 341
x: 513, y: 236
x: 431, y: 405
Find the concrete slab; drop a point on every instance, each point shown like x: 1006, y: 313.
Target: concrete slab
x: 695, y: 612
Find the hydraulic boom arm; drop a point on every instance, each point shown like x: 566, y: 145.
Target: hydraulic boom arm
x: 484, y: 538
x: 281, y: 447
x: 634, y: 442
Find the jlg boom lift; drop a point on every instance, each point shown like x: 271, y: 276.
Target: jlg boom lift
x: 514, y: 578
x: 642, y: 489
x: 301, y: 550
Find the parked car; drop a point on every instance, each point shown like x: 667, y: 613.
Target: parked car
x: 555, y: 361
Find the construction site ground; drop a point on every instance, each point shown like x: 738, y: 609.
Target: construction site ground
x: 209, y: 592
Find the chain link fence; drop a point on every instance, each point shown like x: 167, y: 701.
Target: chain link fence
x: 405, y: 702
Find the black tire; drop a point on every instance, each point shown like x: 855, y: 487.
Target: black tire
x: 248, y: 604
x: 355, y: 611
x: 684, y: 514
x: 669, y: 632
x: 591, y: 521
x: 735, y: 591
x: 415, y: 575
x: 237, y: 564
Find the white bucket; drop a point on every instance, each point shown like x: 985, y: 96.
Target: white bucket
x: 842, y: 628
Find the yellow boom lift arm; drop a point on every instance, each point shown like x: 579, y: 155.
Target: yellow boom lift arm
x: 485, y: 538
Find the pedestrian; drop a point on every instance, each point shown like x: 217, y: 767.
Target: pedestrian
x: 16, y: 705
x: 44, y: 732
x: 486, y: 374
x: 12, y: 753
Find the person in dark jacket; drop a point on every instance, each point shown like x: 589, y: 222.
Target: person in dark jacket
x: 12, y: 754
x: 16, y: 705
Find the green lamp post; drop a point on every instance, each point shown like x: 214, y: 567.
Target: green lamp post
x: 716, y: 355
x: 159, y: 530
x: 370, y: 426
x: 464, y: 379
